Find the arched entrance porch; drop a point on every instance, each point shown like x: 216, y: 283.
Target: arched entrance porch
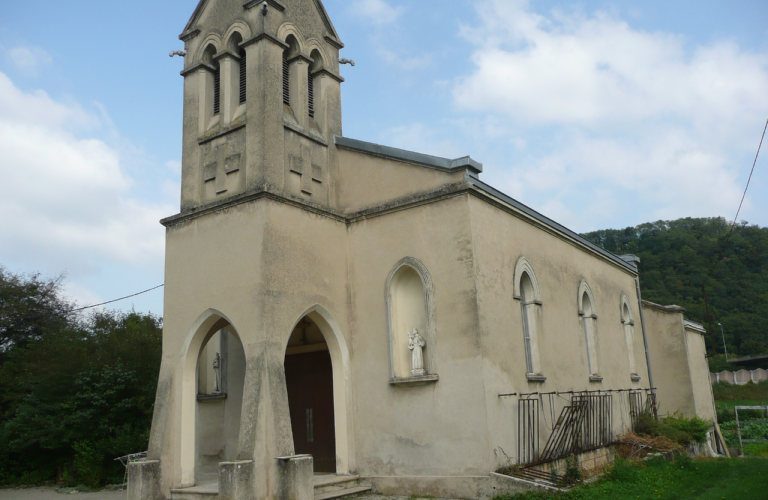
x: 212, y: 398
x: 316, y: 373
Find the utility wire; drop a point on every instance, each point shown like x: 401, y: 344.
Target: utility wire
x: 725, y: 242
x: 748, y: 181
x: 116, y: 300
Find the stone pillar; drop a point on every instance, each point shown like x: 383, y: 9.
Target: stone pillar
x: 265, y: 433
x: 237, y: 480
x: 264, y: 112
x: 297, y: 480
x: 144, y: 480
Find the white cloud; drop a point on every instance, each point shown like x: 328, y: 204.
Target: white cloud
x: 67, y: 200
x: 27, y: 59
x: 610, y: 113
x: 377, y: 12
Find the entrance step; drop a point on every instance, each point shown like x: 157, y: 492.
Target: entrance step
x: 332, y: 482
x: 332, y: 486
x: 208, y: 491
x: 347, y: 492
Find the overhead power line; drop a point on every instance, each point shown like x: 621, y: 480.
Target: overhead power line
x: 116, y: 300
x: 727, y: 237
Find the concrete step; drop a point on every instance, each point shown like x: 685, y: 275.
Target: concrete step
x: 208, y: 491
x: 347, y: 492
x: 332, y: 482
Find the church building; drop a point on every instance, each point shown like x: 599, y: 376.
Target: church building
x: 342, y: 316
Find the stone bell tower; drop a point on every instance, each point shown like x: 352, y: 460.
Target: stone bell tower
x: 262, y: 106
x: 261, y: 102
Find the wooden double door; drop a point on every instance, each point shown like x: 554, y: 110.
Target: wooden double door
x: 309, y: 378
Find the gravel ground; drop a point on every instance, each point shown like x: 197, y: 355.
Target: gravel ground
x: 42, y: 493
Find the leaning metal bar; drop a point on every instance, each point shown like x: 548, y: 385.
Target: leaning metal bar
x: 738, y: 426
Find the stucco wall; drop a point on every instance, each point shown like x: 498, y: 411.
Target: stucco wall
x: 669, y: 358
x: 433, y: 429
x: 365, y: 181
x: 699, y: 373
x: 499, y: 240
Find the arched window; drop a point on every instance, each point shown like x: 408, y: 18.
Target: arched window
x: 210, y: 52
x: 243, y: 77
x: 589, y: 324
x: 316, y: 64
x: 528, y: 293
x: 629, y: 336
x: 292, y: 50
x: 234, y: 46
x: 410, y: 311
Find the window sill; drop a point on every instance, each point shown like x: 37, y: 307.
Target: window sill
x: 411, y: 381
x: 204, y: 398
x: 535, y: 377
x: 635, y: 377
x: 595, y: 378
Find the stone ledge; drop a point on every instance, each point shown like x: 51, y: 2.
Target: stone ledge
x: 411, y: 381
x: 595, y: 378
x: 211, y: 397
x: 535, y: 377
x: 635, y: 377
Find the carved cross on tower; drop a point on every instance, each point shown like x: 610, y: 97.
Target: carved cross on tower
x: 218, y: 171
x: 309, y: 172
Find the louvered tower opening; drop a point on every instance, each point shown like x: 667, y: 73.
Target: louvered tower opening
x: 217, y: 91
x: 243, y: 76
x: 286, y: 82
x: 311, y: 93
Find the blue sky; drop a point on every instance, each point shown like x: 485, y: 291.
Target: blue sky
x: 599, y: 114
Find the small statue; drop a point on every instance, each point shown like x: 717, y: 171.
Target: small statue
x: 217, y: 373
x: 416, y: 343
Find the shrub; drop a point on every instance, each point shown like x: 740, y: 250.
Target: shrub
x: 695, y: 427
x: 648, y: 425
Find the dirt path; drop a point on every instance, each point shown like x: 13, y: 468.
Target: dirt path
x: 41, y: 493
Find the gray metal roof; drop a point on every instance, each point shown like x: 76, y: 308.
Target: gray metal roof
x: 409, y: 156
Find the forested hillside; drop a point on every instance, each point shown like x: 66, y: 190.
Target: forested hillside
x: 679, y: 256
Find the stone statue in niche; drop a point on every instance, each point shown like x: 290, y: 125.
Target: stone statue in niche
x: 416, y: 344
x: 217, y: 373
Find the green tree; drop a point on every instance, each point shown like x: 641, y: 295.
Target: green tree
x: 678, y: 256
x: 79, y: 395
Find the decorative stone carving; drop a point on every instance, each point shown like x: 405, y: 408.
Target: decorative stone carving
x: 217, y: 373
x: 416, y: 343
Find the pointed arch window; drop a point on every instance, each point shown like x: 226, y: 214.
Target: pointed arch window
x: 527, y: 292
x: 286, y: 80
x: 410, y: 308
x: 589, y: 326
x: 217, y: 90
x: 243, y: 77
x: 628, y: 325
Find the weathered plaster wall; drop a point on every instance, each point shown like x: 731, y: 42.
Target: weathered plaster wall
x: 669, y: 358
x: 499, y: 240
x: 699, y: 373
x: 433, y: 429
x: 366, y: 181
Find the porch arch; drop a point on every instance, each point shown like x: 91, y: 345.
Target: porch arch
x: 342, y: 396
x: 205, y: 327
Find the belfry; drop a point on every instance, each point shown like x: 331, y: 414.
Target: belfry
x: 342, y: 316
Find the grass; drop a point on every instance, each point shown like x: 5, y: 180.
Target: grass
x: 706, y: 479
x: 732, y: 392
x: 729, y: 405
